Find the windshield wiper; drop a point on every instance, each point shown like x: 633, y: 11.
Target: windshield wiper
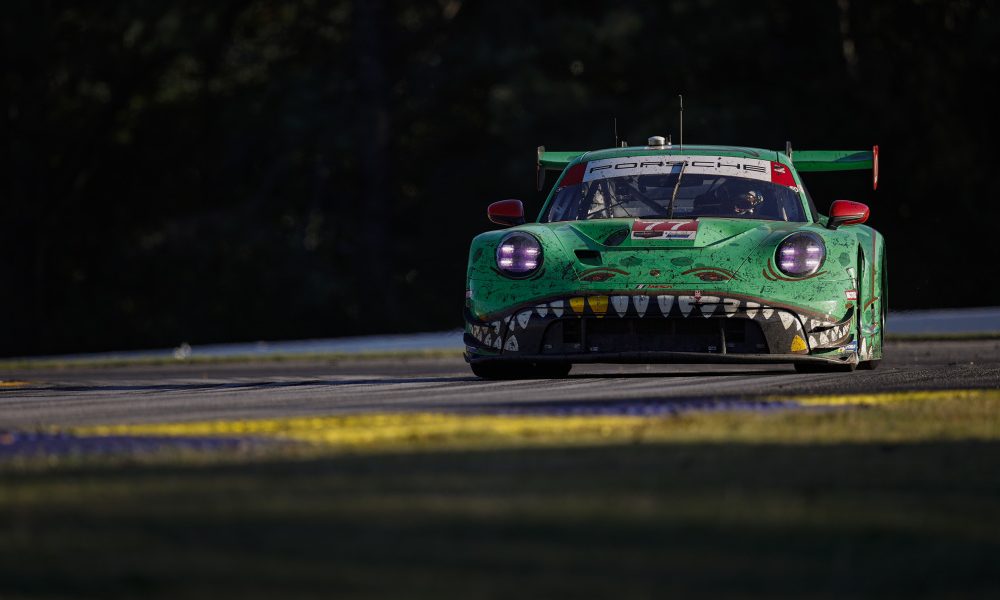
x: 673, y: 197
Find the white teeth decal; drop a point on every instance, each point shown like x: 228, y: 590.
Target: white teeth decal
x: 666, y: 303
x: 786, y: 319
x: 731, y: 305
x: 686, y: 303
x: 752, y: 309
x: 620, y: 303
x: 488, y: 340
x: 511, y: 344
x: 557, y: 307
x: 864, y: 348
x: 496, y: 342
x: 542, y: 310
x: 767, y: 312
x: 496, y: 326
x: 523, y: 318
x: 711, y: 304
x: 641, y: 304
x: 824, y: 338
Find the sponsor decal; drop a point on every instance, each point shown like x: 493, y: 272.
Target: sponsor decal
x: 782, y: 175
x: 852, y: 346
x: 684, y: 229
x: 653, y: 286
x: 749, y: 168
x: 851, y: 294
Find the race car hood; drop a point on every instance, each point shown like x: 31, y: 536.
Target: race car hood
x: 663, y: 233
x: 656, y: 251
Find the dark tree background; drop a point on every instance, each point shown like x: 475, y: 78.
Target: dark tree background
x: 240, y: 170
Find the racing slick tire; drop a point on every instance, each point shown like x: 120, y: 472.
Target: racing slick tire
x: 556, y: 370
x: 813, y: 367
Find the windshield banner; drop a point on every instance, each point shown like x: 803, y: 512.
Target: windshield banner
x: 748, y: 168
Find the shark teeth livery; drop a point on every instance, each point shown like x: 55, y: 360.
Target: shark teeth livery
x: 666, y: 254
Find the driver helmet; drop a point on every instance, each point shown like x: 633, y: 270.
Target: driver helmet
x: 740, y: 197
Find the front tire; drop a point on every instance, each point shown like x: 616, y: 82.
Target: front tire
x: 527, y: 370
x: 818, y: 367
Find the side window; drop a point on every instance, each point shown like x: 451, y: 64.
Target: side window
x: 565, y: 205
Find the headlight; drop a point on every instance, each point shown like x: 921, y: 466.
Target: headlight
x: 800, y: 254
x: 519, y: 254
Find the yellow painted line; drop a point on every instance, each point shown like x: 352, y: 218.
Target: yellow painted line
x: 387, y: 428
x: 13, y: 383
x: 978, y: 419
x: 889, y: 397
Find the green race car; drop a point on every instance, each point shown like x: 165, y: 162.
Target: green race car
x: 664, y: 253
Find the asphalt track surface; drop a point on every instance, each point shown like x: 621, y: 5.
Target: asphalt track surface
x: 199, y: 392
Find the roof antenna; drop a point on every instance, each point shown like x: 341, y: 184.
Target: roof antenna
x: 681, y: 96
x: 614, y: 126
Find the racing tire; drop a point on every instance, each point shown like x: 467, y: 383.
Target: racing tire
x: 492, y: 371
x: 817, y: 367
x: 495, y: 371
x: 553, y: 370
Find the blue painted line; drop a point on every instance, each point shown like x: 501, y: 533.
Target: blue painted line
x: 15, y: 444
x: 650, y: 408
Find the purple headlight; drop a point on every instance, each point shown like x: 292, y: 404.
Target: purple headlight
x: 519, y: 254
x: 800, y: 254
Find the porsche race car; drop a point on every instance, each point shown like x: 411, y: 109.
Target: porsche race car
x: 664, y: 254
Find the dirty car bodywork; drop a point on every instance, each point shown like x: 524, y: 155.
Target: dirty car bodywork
x: 637, y: 256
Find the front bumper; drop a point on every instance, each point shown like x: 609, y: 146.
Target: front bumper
x: 660, y: 328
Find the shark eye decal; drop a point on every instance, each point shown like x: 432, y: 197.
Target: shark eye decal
x: 519, y: 254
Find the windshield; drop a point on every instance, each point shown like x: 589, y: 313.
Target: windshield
x: 645, y: 187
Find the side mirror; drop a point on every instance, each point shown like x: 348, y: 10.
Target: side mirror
x: 846, y: 212
x: 506, y: 212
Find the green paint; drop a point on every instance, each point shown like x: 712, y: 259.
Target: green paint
x: 745, y: 247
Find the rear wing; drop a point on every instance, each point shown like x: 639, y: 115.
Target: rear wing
x: 552, y: 161
x: 805, y: 161
x: 810, y: 161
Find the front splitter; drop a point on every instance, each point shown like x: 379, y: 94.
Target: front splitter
x: 661, y: 358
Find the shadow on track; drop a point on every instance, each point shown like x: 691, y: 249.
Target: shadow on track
x: 170, y: 387
x: 671, y: 374
x: 639, y: 407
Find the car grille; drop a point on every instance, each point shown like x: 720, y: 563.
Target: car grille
x: 591, y: 334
